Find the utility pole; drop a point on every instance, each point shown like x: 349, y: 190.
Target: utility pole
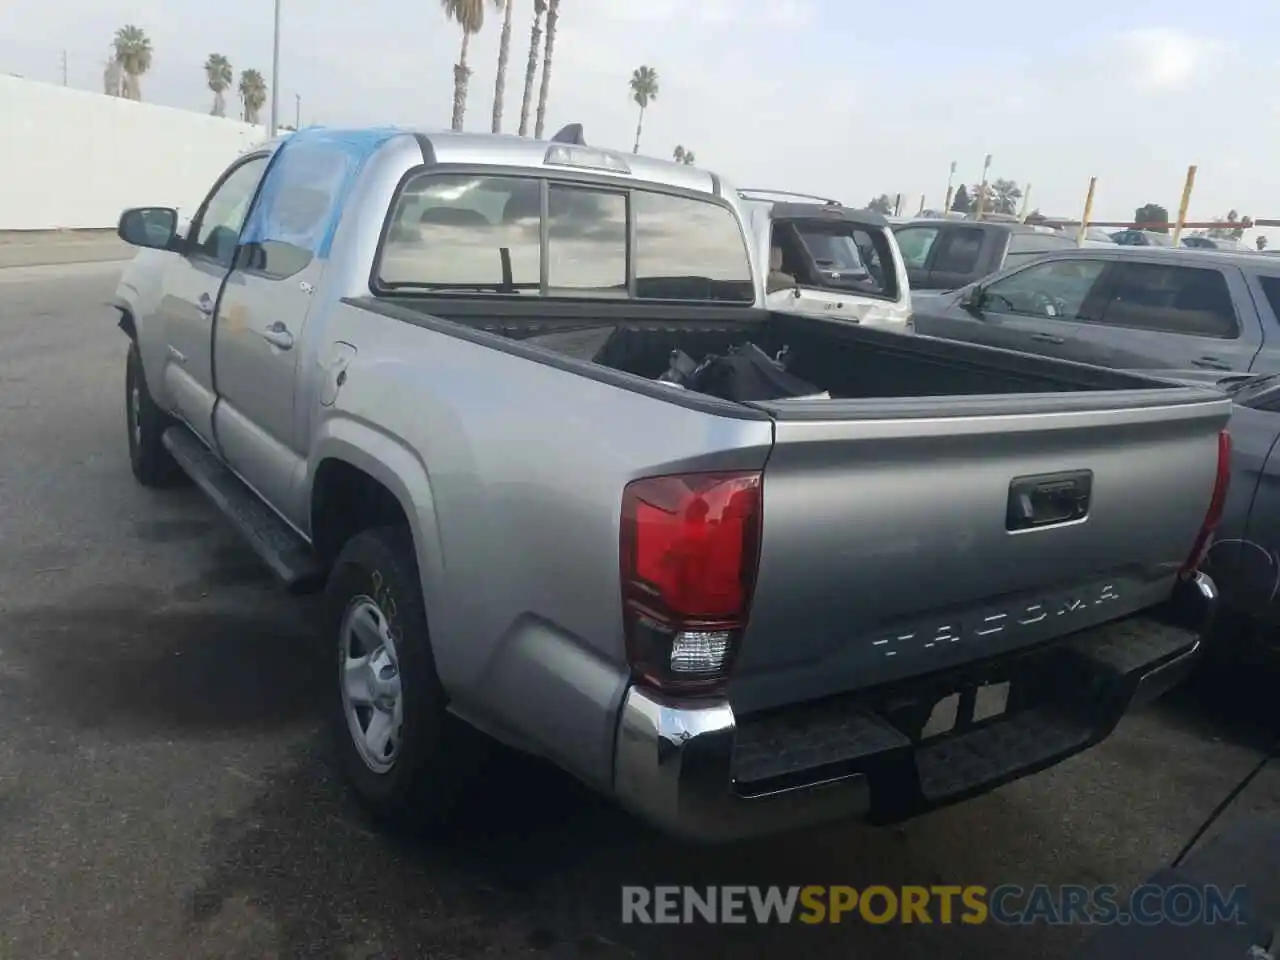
x: 946, y: 204
x: 64, y: 68
x: 275, y: 74
x: 297, y: 111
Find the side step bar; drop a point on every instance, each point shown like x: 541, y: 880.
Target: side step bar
x: 279, y: 545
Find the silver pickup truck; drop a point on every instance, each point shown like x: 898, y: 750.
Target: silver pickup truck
x: 425, y: 371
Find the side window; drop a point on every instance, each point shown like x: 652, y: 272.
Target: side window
x: 915, y: 244
x: 1271, y: 290
x: 465, y: 233
x: 1057, y: 289
x: 587, y: 241
x: 217, y: 230
x: 298, y: 206
x: 687, y: 249
x: 1191, y: 301
x: 1024, y: 247
x: 958, y: 250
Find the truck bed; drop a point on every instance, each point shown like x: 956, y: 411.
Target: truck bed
x: 890, y: 547
x: 846, y: 361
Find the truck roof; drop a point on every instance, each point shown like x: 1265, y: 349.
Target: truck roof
x: 1181, y: 256
x: 1005, y: 226
x: 510, y: 150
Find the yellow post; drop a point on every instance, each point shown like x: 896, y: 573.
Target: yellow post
x: 1088, y: 212
x: 1186, y: 202
x: 1026, y: 202
x: 982, y: 188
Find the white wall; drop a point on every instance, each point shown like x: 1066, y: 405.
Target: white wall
x: 70, y: 159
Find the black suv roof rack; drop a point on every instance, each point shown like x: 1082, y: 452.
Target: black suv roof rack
x: 757, y: 193
x: 570, y: 133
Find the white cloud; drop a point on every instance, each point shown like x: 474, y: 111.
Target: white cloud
x: 1161, y: 59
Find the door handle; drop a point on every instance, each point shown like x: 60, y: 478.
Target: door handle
x: 205, y: 304
x: 1210, y: 363
x: 278, y: 335
x: 1046, y: 338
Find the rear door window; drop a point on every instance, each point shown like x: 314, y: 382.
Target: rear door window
x: 958, y: 250
x: 1027, y: 246
x: 915, y: 243
x: 299, y: 204
x: 1271, y: 290
x: 1167, y: 298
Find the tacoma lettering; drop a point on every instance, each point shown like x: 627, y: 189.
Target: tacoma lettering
x: 989, y: 623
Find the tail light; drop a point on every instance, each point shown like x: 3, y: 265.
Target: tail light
x: 690, y: 546
x: 1204, y: 539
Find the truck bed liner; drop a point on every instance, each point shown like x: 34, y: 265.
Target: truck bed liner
x: 847, y: 361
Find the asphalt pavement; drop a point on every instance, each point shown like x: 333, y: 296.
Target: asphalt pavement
x: 165, y: 789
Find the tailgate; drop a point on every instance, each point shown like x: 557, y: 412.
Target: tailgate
x: 897, y: 546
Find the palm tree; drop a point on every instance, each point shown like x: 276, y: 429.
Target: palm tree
x: 504, y: 53
x: 217, y: 71
x: 681, y: 155
x: 553, y: 16
x: 644, y: 90
x: 531, y: 70
x: 133, y: 53
x: 469, y: 15
x: 253, y: 94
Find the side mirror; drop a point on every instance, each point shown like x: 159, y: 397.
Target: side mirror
x: 153, y: 227
x: 974, y: 299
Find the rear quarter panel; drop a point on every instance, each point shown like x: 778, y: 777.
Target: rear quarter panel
x: 514, y: 472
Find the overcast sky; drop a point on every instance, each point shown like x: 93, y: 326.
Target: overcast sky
x: 844, y: 98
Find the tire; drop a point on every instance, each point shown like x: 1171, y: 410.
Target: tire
x: 145, y: 423
x: 420, y: 776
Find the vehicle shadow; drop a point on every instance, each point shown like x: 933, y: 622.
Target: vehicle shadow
x: 535, y: 864
x: 1232, y: 703
x: 138, y: 661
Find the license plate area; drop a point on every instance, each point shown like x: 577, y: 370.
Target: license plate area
x: 938, y: 713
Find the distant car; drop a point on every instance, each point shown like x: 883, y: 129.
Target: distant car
x: 942, y: 255
x: 1097, y: 237
x: 1141, y: 238
x: 1244, y: 560
x: 1216, y: 243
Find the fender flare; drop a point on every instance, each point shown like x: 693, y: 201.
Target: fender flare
x: 126, y: 317
x: 398, y: 468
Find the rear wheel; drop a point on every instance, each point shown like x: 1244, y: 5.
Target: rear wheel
x: 407, y: 758
x: 150, y: 460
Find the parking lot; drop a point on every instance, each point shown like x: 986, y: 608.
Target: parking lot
x: 165, y: 790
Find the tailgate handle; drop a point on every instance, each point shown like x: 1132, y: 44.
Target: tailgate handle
x: 1048, y: 499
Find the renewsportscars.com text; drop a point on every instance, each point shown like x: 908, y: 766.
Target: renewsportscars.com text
x: 1009, y: 904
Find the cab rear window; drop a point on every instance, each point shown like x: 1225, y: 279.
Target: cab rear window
x: 526, y: 236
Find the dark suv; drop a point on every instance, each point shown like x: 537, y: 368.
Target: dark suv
x: 945, y: 255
